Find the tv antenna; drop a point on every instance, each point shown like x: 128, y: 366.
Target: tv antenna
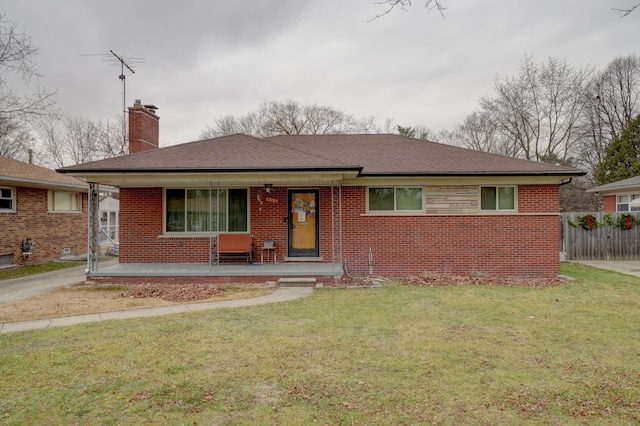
x: 125, y: 62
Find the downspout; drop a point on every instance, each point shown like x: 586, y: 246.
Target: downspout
x: 210, y: 227
x: 340, y: 220
x: 566, y: 182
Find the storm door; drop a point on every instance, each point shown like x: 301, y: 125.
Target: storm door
x: 303, y: 223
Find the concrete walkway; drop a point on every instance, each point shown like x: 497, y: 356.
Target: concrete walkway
x: 280, y: 295
x: 629, y: 267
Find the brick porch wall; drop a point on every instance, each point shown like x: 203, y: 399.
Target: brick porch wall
x: 51, y: 232
x: 518, y: 244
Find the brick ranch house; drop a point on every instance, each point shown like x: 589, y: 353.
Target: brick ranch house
x: 394, y: 205
x: 620, y: 196
x: 42, y: 206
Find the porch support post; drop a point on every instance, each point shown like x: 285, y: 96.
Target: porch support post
x: 333, y: 226
x: 217, y: 225
x: 92, y: 231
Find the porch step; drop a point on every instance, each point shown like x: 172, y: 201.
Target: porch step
x: 297, y: 282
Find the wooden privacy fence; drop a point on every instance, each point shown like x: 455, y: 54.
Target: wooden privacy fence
x: 600, y: 236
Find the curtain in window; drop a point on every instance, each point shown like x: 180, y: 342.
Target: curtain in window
x: 197, y: 210
x: 488, y: 198
x: 219, y: 218
x: 192, y: 210
x: 381, y: 199
x: 506, y: 198
x: 408, y: 198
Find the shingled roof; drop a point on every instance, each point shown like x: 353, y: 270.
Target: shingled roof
x: 370, y: 155
x: 19, y: 173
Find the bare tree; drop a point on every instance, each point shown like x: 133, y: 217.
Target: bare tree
x: 75, y: 140
x: 439, y: 6
x: 539, y: 109
x: 15, y: 139
x: 627, y: 11
x: 417, y: 132
x: 289, y: 118
x: 17, y: 59
x: 406, y: 4
x: 480, y: 132
x: 612, y: 100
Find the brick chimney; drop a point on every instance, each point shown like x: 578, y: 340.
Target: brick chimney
x: 143, y: 127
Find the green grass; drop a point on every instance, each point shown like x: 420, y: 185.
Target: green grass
x: 393, y: 355
x: 24, y: 271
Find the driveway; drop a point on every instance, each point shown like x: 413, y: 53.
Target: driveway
x: 24, y: 287
x: 629, y: 267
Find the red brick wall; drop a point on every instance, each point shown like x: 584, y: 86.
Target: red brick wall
x: 51, y: 232
x: 488, y: 244
x: 609, y: 203
x: 144, y: 129
x: 141, y: 228
x: 526, y: 243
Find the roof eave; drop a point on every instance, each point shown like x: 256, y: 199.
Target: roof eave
x: 567, y: 173
x: 34, y: 183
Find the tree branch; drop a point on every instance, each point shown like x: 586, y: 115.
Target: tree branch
x: 627, y: 12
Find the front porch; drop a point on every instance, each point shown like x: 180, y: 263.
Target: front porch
x: 222, y: 273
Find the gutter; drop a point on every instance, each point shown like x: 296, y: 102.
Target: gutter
x: 44, y: 184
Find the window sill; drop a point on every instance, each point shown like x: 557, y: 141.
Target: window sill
x: 394, y: 214
x: 63, y: 211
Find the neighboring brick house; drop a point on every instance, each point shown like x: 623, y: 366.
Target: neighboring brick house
x: 619, y: 196
x: 45, y: 207
x: 400, y: 205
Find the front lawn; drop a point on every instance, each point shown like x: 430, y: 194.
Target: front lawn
x: 469, y: 354
x: 23, y: 271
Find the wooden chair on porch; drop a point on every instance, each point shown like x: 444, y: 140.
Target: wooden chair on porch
x: 232, y: 247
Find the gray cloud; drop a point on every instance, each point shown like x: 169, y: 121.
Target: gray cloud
x: 203, y: 60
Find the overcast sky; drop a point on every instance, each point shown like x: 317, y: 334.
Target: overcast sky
x: 207, y: 59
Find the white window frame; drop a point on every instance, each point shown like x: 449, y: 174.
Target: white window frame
x: 200, y: 233
x: 630, y: 198
x: 12, y: 198
x: 395, y: 210
x: 498, y: 209
x: 51, y: 205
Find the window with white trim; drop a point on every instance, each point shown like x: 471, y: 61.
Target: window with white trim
x: 497, y: 198
x: 193, y: 210
x: 7, y: 199
x: 61, y: 201
x: 395, y: 199
x: 622, y: 203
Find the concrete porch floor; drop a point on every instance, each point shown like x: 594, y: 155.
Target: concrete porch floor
x: 222, y: 270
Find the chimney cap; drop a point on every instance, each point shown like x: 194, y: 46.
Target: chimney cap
x: 150, y: 106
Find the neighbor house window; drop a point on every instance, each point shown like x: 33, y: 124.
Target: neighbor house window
x: 7, y: 199
x: 497, y: 198
x: 395, y: 199
x: 60, y: 201
x: 622, y: 203
x: 204, y: 210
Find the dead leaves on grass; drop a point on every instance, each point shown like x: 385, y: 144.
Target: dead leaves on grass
x: 434, y: 279
x: 174, y: 292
